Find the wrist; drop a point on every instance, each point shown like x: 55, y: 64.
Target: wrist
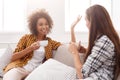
x: 76, y: 53
x: 72, y: 27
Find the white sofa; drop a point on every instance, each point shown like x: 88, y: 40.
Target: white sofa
x: 61, y: 54
x: 64, y: 56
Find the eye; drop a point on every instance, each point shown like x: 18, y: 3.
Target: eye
x: 40, y: 24
x: 46, y: 24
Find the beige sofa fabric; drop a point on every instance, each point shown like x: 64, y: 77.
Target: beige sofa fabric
x: 63, y: 55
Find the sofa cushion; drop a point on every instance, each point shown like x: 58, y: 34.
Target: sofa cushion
x: 52, y: 70
x: 63, y: 55
x: 5, y: 57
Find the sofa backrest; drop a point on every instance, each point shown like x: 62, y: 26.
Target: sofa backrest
x: 63, y: 55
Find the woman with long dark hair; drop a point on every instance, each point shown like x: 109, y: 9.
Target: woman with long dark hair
x: 102, y: 57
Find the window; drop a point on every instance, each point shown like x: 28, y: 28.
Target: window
x: 73, y: 8
x: 12, y: 15
x: 1, y: 8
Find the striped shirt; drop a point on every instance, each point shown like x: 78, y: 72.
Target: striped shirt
x: 100, y: 63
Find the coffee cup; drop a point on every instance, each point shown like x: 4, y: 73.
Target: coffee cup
x: 43, y: 43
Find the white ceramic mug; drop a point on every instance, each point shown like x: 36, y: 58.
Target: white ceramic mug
x: 43, y: 43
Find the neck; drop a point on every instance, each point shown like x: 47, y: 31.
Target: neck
x: 41, y: 37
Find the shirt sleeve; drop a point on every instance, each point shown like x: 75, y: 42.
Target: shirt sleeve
x: 101, y: 51
x: 21, y: 44
x: 55, y: 44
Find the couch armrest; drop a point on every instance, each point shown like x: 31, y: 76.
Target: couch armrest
x: 63, y: 55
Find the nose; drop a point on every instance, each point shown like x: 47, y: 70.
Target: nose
x: 44, y: 27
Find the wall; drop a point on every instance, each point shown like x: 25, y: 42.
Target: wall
x: 56, y: 9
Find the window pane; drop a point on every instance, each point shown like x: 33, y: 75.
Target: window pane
x: 76, y: 7
x: 1, y: 7
x: 14, y: 15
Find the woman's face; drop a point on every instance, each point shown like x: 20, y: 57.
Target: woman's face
x: 87, y: 23
x: 42, y: 26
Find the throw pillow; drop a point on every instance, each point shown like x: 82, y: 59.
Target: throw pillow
x: 5, y: 57
x: 52, y: 70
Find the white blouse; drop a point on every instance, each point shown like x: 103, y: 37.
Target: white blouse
x: 38, y: 56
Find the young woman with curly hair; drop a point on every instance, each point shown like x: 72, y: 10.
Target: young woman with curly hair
x: 25, y: 58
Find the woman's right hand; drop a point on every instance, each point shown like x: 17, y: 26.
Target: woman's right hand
x: 35, y: 45
x: 27, y: 50
x: 73, y: 48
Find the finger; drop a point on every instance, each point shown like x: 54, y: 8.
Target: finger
x: 70, y: 42
x: 79, y: 18
x: 37, y: 44
x: 73, y: 44
x: 79, y: 42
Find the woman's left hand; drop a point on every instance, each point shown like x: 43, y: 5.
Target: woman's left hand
x: 76, y: 21
x: 73, y: 48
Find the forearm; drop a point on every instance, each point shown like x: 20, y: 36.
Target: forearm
x: 78, y: 65
x: 21, y: 54
x: 73, y: 39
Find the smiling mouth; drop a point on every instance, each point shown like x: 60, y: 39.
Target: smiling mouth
x: 45, y: 31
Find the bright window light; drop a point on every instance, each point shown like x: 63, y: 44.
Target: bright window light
x: 1, y: 8
x: 13, y: 16
x: 73, y: 8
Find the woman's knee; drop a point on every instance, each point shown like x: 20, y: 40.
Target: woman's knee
x: 12, y: 74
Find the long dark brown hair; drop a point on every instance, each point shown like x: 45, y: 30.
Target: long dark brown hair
x: 101, y: 24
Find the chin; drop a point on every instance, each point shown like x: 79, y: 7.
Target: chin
x: 45, y: 34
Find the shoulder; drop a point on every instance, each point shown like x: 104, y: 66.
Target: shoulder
x: 104, y: 40
x: 53, y: 42
x: 28, y: 36
x: 104, y: 45
x: 50, y: 39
